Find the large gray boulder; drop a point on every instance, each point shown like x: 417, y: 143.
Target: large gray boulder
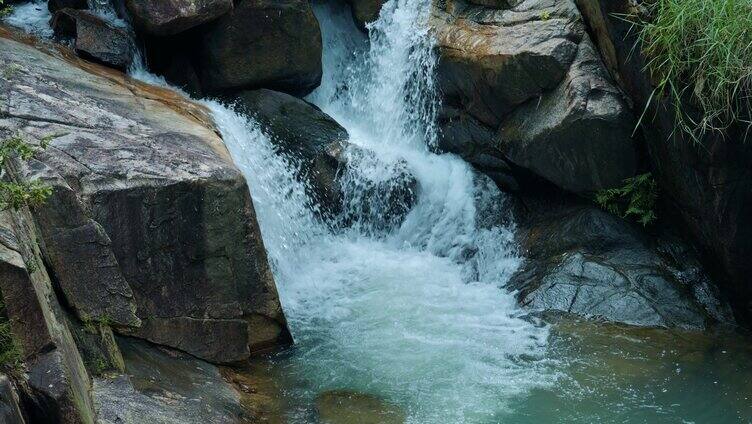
x: 491, y: 60
x: 584, y: 261
x: 523, y: 87
x: 262, y: 43
x: 148, y: 212
x: 577, y: 136
x: 170, y: 17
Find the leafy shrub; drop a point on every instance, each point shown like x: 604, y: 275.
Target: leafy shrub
x: 701, y: 50
x: 635, y: 199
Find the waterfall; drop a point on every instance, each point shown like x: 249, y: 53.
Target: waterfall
x: 413, y: 313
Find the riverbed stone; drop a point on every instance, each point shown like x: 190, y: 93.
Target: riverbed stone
x: 163, y: 386
x: 262, y: 43
x: 343, y: 407
x: 170, y: 17
x: 147, y: 197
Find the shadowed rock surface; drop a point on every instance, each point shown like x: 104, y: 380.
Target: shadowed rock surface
x: 262, y: 43
x: 365, y: 11
x: 10, y: 412
x: 164, y: 387
x: 169, y: 17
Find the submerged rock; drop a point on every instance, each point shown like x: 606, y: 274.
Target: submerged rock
x: 94, y: 38
x: 346, y: 407
x: 169, y: 17
x: 162, y: 386
x: 262, y: 43
x: 584, y: 261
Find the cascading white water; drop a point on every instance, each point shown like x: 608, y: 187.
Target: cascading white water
x: 414, y: 313
x: 411, y: 313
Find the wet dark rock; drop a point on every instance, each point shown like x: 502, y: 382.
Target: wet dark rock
x: 707, y: 186
x: 305, y: 134
x: 523, y: 86
x: 148, y: 212
x: 318, y: 145
x: 169, y: 17
x: 365, y: 11
x: 94, y: 38
x: 584, y: 261
x: 262, y: 43
x: 55, y: 5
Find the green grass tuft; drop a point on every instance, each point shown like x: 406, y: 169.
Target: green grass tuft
x: 701, y: 50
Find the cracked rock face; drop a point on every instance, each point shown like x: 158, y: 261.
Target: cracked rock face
x: 150, y: 227
x: 523, y: 85
x: 583, y: 261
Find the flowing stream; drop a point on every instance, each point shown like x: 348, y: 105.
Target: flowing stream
x: 413, y: 312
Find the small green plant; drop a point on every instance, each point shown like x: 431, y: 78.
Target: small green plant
x: 10, y: 352
x: 13, y: 194
x: 545, y: 15
x: 5, y: 10
x: 635, y: 199
x: 701, y: 51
